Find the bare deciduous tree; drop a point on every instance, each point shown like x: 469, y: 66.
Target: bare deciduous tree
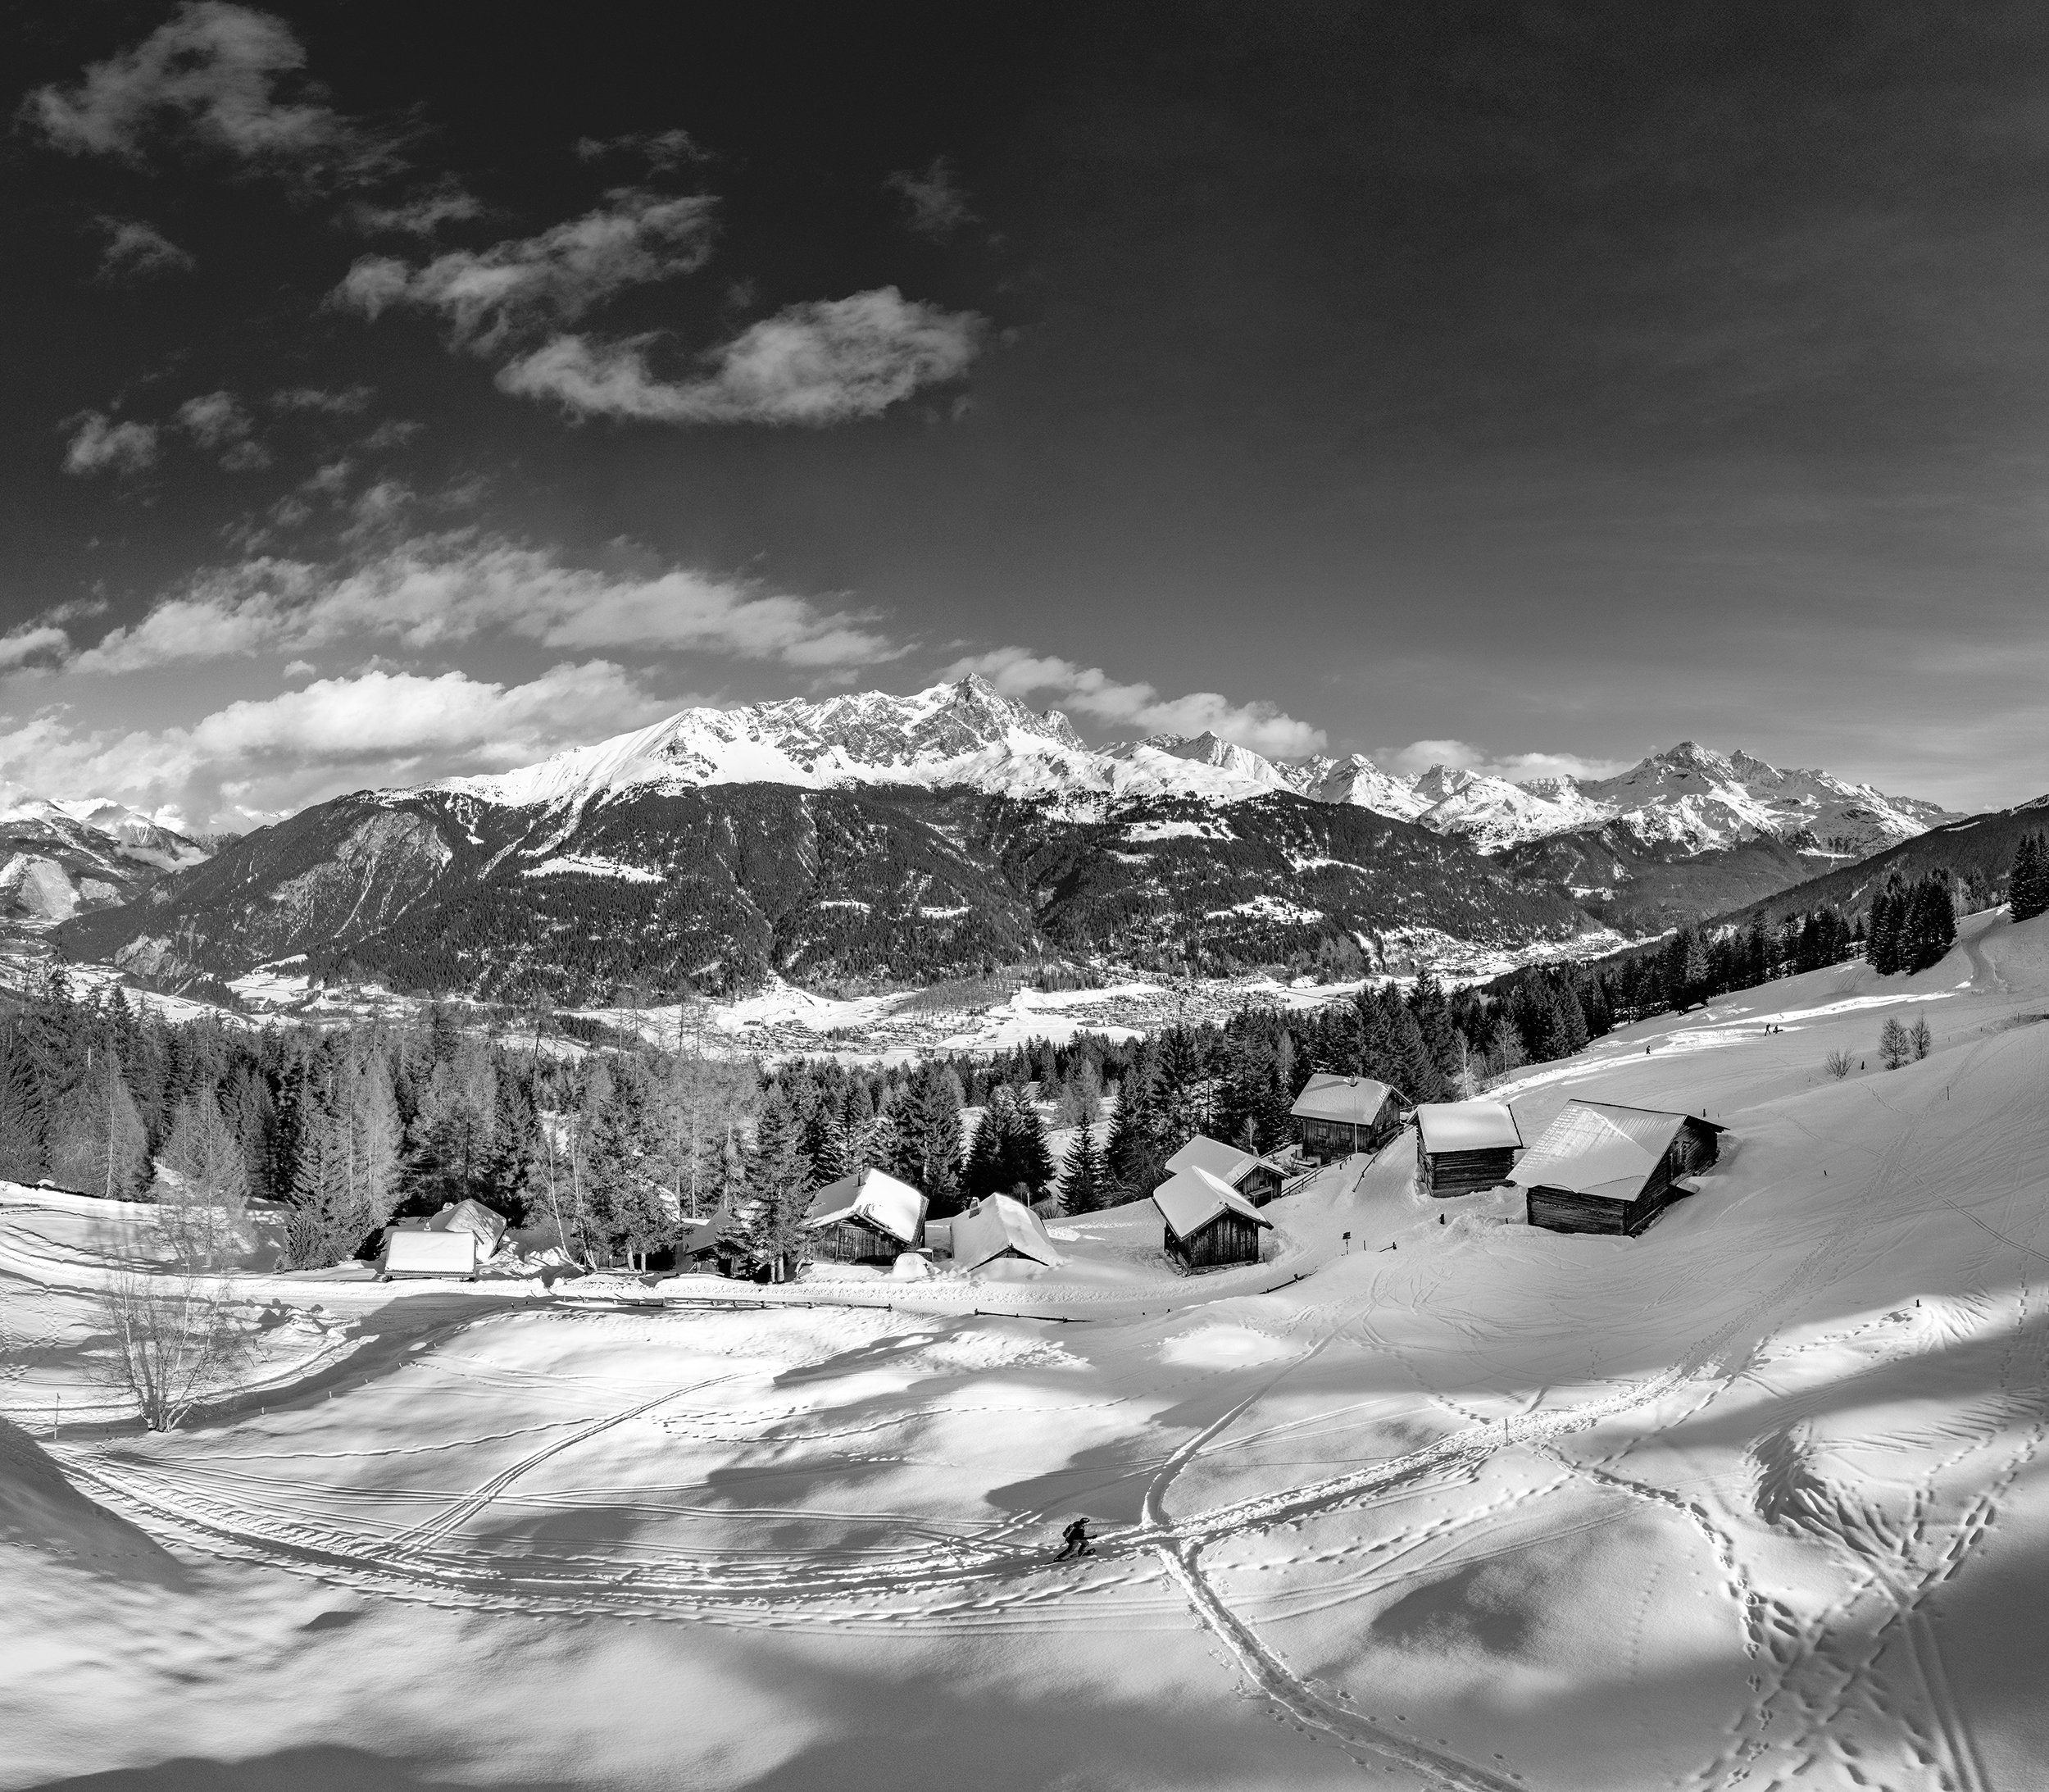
x: 175, y: 1340
x: 1839, y: 1064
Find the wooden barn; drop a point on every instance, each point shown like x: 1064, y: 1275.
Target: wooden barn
x: 999, y: 1226
x: 1258, y: 1179
x: 1464, y: 1146
x: 1209, y: 1224
x: 1603, y: 1167
x: 1336, y: 1116
x: 868, y: 1217
x: 707, y: 1247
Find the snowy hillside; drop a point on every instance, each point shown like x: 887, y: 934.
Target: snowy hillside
x: 1427, y: 1499
x: 70, y: 857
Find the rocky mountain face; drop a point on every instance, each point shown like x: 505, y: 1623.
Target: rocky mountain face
x: 654, y: 887
x: 910, y: 837
x: 59, y: 859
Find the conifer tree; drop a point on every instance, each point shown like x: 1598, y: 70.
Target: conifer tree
x: 1882, y: 950
x: 1083, y: 1187
x: 2028, y: 883
x: 1136, y: 1154
x: 776, y: 1187
x: 97, y: 1143
x: 24, y: 1124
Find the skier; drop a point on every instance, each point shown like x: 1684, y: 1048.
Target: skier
x: 1074, y: 1541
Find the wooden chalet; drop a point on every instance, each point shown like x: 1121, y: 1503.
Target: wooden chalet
x: 998, y: 1226
x: 1604, y: 1167
x: 868, y: 1217
x: 1336, y: 1116
x: 1209, y: 1224
x: 1464, y: 1146
x: 707, y: 1247
x: 1258, y: 1179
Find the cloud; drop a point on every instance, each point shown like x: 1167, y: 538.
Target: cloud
x: 824, y: 361
x: 33, y: 642
x: 935, y: 202
x: 100, y: 445
x: 434, y: 592
x: 1419, y: 756
x: 421, y: 213
x: 1089, y: 691
x: 215, y: 76
x: 134, y: 250
x: 491, y: 295
x: 345, y: 402
x: 257, y: 759
x: 214, y: 420
x: 665, y: 149
x: 217, y: 420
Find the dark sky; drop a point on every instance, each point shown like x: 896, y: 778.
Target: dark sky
x: 1526, y: 386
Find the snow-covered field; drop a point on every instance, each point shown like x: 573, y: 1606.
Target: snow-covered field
x: 1758, y: 1500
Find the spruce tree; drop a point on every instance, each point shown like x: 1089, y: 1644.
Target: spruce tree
x: 24, y: 1125
x: 2028, y: 883
x: 203, y: 1191
x: 1882, y: 950
x: 1083, y: 1186
x: 1136, y: 1156
x: 97, y: 1143
x: 774, y: 1191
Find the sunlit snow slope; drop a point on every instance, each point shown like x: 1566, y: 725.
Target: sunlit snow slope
x: 1755, y: 1499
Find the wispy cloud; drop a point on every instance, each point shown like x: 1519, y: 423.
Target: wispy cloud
x: 100, y: 445
x: 217, y: 420
x: 491, y: 295
x: 1090, y: 692
x: 1419, y: 756
x: 344, y: 402
x: 134, y: 250
x: 217, y: 77
x: 431, y: 593
x: 256, y: 760
x: 666, y: 150
x: 421, y: 213
x: 826, y: 361
x: 935, y: 203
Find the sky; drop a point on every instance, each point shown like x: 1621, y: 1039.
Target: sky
x: 397, y: 394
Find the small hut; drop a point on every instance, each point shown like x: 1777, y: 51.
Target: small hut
x: 1336, y: 1116
x: 708, y: 1247
x: 1258, y: 1179
x: 413, y: 1250
x: 486, y: 1225
x: 1604, y: 1167
x: 867, y: 1217
x: 999, y: 1226
x: 1464, y: 1146
x: 1209, y: 1224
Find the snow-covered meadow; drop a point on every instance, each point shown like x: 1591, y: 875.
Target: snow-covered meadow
x: 1755, y: 1499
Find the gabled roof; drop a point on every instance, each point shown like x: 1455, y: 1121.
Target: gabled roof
x: 1189, y: 1200
x: 1601, y: 1149
x: 999, y: 1223
x: 697, y: 1236
x: 1467, y: 1125
x: 873, y: 1195
x: 1351, y: 1101
x: 474, y: 1217
x: 1217, y: 1158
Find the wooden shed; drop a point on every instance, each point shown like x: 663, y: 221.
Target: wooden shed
x: 707, y: 1247
x: 1604, y: 1167
x: 1464, y: 1146
x: 868, y: 1217
x: 1209, y: 1224
x: 1258, y: 1179
x: 1336, y: 1116
x: 1000, y: 1226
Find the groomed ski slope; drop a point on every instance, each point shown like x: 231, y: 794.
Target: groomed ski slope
x: 1758, y: 1500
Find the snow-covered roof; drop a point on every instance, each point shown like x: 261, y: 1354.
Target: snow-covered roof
x: 430, y: 1253
x: 1602, y: 1148
x: 483, y: 1224
x: 998, y: 1223
x: 873, y: 1195
x: 1353, y: 1101
x: 1217, y: 1158
x: 1467, y: 1125
x: 1190, y: 1199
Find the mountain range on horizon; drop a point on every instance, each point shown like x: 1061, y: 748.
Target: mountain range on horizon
x: 875, y: 837
x: 967, y: 734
